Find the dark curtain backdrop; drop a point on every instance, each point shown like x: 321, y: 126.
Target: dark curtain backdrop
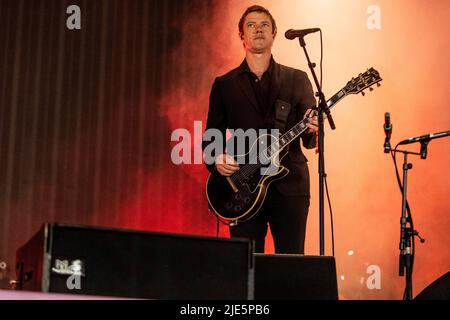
x: 84, y: 137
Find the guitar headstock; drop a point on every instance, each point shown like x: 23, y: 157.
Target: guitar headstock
x: 363, y: 81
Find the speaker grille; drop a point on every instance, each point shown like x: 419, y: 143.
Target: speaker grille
x: 297, y: 277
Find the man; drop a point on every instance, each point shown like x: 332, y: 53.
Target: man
x: 245, y: 99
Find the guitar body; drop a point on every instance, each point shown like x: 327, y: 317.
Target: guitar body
x: 238, y: 203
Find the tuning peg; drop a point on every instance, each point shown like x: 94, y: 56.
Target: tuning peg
x: 378, y: 84
x: 362, y: 92
x: 370, y: 89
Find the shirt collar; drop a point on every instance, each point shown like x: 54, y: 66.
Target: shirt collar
x: 246, y: 69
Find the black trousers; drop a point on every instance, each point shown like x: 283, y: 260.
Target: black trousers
x: 286, y: 216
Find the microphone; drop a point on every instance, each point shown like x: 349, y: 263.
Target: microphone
x: 426, y: 138
x: 388, y: 132
x: 291, y: 34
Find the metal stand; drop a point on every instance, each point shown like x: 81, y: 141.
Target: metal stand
x: 407, y: 232
x: 323, y: 108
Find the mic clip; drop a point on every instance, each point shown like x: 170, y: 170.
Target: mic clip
x: 424, y: 148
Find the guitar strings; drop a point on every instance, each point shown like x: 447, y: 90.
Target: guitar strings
x: 249, y: 169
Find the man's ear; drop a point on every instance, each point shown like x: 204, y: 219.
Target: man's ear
x: 274, y: 33
x: 241, y: 35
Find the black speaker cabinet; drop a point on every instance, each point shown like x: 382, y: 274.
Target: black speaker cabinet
x: 438, y: 290
x: 112, y: 262
x: 295, y: 277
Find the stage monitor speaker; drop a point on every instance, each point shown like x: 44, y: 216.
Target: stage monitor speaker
x: 295, y: 277
x: 120, y: 263
x: 438, y: 290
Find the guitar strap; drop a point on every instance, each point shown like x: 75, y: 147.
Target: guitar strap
x: 283, y: 108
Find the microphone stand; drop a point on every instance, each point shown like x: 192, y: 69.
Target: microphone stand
x: 407, y: 232
x: 323, y: 108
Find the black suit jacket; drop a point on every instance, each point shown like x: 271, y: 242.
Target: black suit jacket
x: 233, y: 105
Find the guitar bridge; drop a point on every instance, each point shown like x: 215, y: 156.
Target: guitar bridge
x: 233, y: 186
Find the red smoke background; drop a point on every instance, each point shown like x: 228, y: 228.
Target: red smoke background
x: 411, y: 51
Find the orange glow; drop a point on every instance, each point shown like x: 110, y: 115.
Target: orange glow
x: 411, y: 53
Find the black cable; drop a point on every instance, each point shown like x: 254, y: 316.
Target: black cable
x: 325, y: 178
x: 321, y: 59
x: 331, y: 217
x: 409, y: 219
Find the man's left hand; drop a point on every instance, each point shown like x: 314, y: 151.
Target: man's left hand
x: 313, y: 125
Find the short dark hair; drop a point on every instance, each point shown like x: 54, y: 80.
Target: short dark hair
x: 260, y: 9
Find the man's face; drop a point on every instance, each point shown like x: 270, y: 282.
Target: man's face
x: 257, y: 33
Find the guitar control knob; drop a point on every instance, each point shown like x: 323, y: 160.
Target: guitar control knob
x: 237, y: 208
x: 238, y: 196
x: 229, y: 205
x: 247, y: 200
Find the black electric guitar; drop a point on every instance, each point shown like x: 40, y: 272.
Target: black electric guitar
x: 239, y: 197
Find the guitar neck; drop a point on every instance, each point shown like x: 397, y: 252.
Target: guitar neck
x: 356, y: 85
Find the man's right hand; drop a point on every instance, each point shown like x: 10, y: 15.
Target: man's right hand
x: 226, y: 165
